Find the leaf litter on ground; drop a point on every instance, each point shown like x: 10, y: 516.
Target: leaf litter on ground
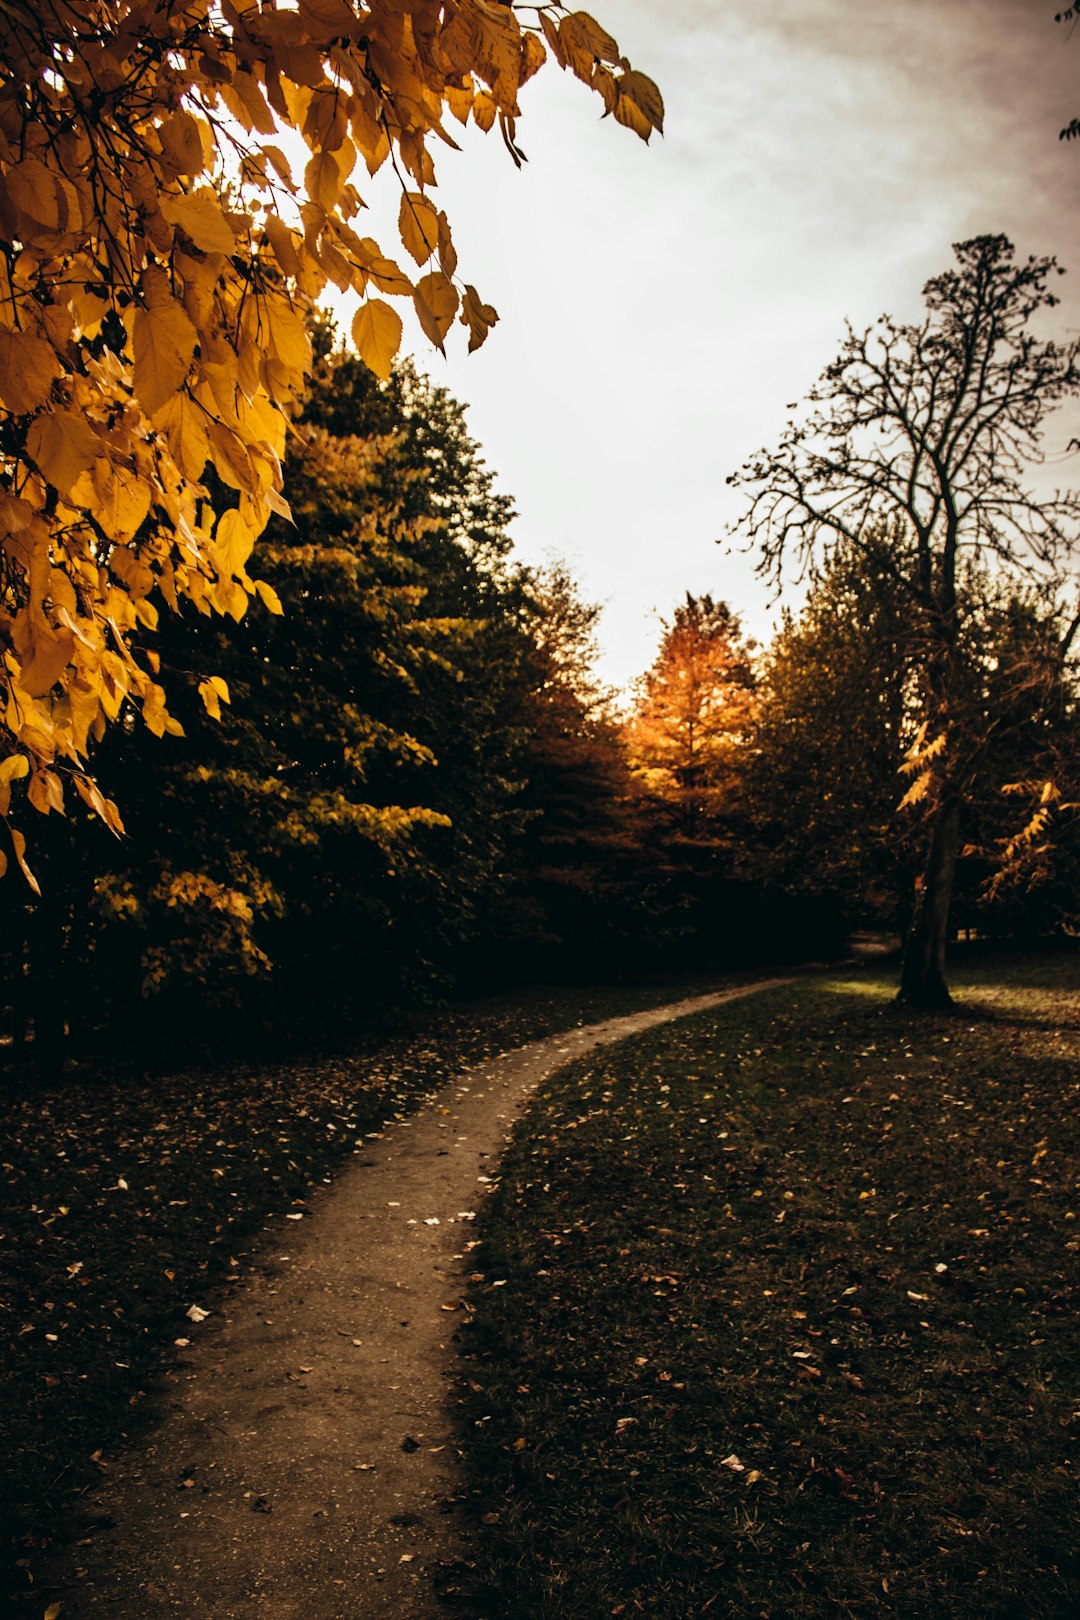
x: 790, y: 1315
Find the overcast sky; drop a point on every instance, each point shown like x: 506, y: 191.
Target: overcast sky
x: 661, y: 305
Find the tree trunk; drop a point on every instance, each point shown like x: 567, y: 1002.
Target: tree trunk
x: 922, y: 979
x: 48, y: 988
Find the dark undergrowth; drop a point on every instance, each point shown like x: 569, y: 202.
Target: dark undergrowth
x: 127, y: 1199
x: 778, y: 1318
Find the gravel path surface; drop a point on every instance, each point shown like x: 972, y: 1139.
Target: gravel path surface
x: 305, y: 1466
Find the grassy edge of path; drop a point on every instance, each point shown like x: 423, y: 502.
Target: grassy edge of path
x: 774, y: 1314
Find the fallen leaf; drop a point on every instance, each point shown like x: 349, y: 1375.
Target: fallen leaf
x: 733, y: 1463
x: 195, y: 1313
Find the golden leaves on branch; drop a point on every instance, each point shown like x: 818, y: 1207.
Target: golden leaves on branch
x: 579, y: 43
x: 159, y: 257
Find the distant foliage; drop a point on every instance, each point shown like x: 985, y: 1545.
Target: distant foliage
x: 832, y: 725
x: 691, y: 712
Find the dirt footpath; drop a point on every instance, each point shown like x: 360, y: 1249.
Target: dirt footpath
x: 305, y: 1467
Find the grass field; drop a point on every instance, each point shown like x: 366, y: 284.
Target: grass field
x: 775, y: 1315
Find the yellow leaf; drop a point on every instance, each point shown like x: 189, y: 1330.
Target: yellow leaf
x: 13, y: 767
x: 477, y: 316
x: 551, y: 34
x: 123, y: 501
x: 211, y: 699
x: 630, y: 115
x: 252, y: 103
x: 32, y: 188
x: 164, y: 344
x: 533, y: 56
x: 268, y: 596
x: 19, y: 842
x: 459, y: 100
x: 199, y: 215
x: 231, y: 458
x: 376, y: 331
x: 596, y: 40
x: 182, y: 143
x: 43, y: 653
x: 283, y: 243
x: 28, y: 366
x: 418, y: 222
x: 387, y: 276
x: 235, y: 541
x: 645, y: 100
x: 62, y: 445
x: 286, y: 334
x: 323, y: 180
x: 484, y: 109
x: 136, y: 574
x: 447, y: 252
x: 91, y: 794
x: 436, y: 305
x: 328, y: 18
x: 46, y: 792
x: 184, y: 424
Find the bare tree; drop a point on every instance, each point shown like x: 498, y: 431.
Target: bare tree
x: 915, y: 451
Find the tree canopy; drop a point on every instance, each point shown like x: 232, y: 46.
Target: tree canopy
x: 160, y: 247
x: 692, y: 711
x: 916, y: 453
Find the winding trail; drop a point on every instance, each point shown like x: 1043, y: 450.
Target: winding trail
x: 304, y: 1467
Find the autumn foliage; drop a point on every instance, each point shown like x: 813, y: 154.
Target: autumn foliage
x: 161, y: 245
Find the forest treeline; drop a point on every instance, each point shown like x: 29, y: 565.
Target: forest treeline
x: 411, y: 782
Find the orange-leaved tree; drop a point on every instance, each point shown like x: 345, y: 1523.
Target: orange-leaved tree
x: 692, y: 713
x: 159, y: 254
